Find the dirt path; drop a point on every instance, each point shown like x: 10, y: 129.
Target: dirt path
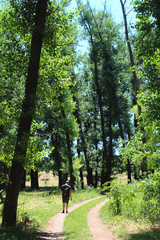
x: 98, y: 229
x: 54, y: 230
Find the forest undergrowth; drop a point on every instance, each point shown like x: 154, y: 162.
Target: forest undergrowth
x: 133, y: 211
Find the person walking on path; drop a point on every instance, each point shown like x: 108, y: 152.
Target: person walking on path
x: 66, y: 195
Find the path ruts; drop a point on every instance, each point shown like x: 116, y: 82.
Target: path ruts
x: 54, y: 229
x: 98, y: 229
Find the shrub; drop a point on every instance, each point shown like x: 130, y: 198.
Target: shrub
x: 150, y: 208
x: 139, y: 200
x: 120, y: 194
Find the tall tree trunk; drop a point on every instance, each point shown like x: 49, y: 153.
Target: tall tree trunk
x: 105, y: 158
x: 129, y: 170
x: 57, y: 157
x: 34, y: 179
x: 89, y: 170
x: 23, y: 182
x: 72, y: 178
x: 106, y: 161
x: 80, y: 170
x: 94, y: 59
x: 110, y: 158
x: 135, y: 84
x: 28, y: 110
x: 76, y: 114
x: 96, y: 144
x: 69, y: 152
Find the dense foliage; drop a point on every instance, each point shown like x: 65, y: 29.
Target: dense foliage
x: 90, y: 115
x: 137, y: 201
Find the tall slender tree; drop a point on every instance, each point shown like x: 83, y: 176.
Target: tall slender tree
x: 135, y: 82
x: 28, y: 110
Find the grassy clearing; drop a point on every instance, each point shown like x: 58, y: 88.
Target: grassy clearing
x: 76, y: 226
x: 127, y: 229
x: 35, y: 208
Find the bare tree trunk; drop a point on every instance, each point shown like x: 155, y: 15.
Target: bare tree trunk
x: 69, y: 152
x: 28, y: 110
x: 105, y: 159
x: 80, y: 170
x: 78, y: 148
x: 23, y: 182
x: 96, y: 144
x: 57, y: 157
x: 110, y: 158
x: 135, y: 84
x: 34, y: 179
x: 89, y: 170
x: 129, y: 170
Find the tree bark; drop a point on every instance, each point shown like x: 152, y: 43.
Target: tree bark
x: 57, y: 157
x: 87, y: 125
x: 78, y: 147
x: 110, y: 158
x: 105, y: 158
x: 72, y: 178
x: 80, y: 170
x: 96, y: 143
x: 69, y: 152
x: 89, y: 170
x: 34, y: 179
x: 129, y: 170
x: 23, y: 182
x: 27, y: 113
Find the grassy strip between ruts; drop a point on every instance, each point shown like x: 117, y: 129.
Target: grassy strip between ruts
x: 76, y: 226
x: 35, y: 208
x: 127, y: 229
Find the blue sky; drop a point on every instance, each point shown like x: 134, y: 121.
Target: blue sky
x: 113, y: 6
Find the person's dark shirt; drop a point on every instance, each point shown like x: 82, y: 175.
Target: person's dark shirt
x: 65, y: 190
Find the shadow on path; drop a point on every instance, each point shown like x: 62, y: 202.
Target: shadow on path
x: 51, y: 236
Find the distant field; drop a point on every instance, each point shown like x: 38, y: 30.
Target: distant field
x: 48, y: 180
x: 45, y: 180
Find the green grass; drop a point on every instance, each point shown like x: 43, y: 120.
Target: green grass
x: 76, y: 226
x: 126, y: 229
x: 18, y: 233
x: 39, y: 206
x: 35, y: 208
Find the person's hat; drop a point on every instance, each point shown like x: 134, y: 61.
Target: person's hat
x: 67, y: 181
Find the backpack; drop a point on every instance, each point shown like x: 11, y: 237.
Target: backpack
x: 65, y: 192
